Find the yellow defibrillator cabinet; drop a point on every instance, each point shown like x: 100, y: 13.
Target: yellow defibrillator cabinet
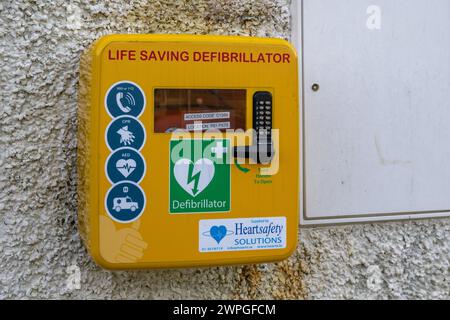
x: 188, y: 150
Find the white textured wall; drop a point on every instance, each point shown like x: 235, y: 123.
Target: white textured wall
x: 41, y: 42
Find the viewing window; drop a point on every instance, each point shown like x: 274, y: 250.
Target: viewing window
x: 199, y: 109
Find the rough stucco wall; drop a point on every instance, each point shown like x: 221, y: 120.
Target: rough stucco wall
x: 41, y: 43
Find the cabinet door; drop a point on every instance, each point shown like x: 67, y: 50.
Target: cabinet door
x: 376, y: 126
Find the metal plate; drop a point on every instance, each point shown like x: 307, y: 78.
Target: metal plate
x: 376, y: 127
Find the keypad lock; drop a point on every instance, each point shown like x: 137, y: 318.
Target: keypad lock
x: 261, y: 150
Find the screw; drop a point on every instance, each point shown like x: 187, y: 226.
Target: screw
x: 315, y: 87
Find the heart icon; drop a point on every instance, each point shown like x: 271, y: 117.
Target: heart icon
x: 194, y: 180
x: 218, y: 233
x: 126, y: 167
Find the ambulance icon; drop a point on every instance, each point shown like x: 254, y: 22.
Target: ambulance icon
x: 124, y: 203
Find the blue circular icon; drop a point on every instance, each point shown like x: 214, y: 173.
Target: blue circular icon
x: 125, y: 201
x: 125, y: 164
x: 125, y: 98
x: 125, y: 131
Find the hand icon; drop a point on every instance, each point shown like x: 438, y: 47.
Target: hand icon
x: 124, y: 245
x: 126, y: 136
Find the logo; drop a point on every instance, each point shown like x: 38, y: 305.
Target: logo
x: 264, y: 233
x: 125, y: 164
x: 374, y: 17
x: 194, y: 177
x: 126, y: 136
x: 121, y: 244
x: 218, y: 233
x: 125, y: 201
x: 125, y: 167
x: 125, y: 98
x: 125, y: 131
x: 73, y: 281
x: 199, y: 176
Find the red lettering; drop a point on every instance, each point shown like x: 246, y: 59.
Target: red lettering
x: 152, y: 56
x: 225, y: 56
x: 161, y: 55
x: 143, y: 55
x: 277, y: 58
x: 184, y: 56
x: 110, y: 56
x: 197, y: 56
x: 174, y: 55
x: 122, y: 55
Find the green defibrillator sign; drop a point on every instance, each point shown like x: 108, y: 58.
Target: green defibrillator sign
x: 199, y: 175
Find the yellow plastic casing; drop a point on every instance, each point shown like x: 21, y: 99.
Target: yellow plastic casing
x: 158, y: 238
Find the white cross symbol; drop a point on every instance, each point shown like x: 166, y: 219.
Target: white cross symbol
x: 219, y: 150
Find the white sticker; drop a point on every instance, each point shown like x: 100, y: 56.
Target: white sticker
x: 207, y: 115
x: 242, y: 234
x: 209, y: 125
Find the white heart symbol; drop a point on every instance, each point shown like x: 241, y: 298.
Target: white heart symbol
x: 126, y: 167
x: 201, y: 176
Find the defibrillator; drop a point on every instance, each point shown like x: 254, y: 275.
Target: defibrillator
x: 188, y: 150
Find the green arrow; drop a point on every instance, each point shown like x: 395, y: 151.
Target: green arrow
x: 244, y: 170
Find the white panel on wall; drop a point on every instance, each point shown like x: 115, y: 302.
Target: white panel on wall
x: 376, y: 132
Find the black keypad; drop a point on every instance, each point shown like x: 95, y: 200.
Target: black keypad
x: 262, y: 114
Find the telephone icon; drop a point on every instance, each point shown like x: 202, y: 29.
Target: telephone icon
x: 125, y: 102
